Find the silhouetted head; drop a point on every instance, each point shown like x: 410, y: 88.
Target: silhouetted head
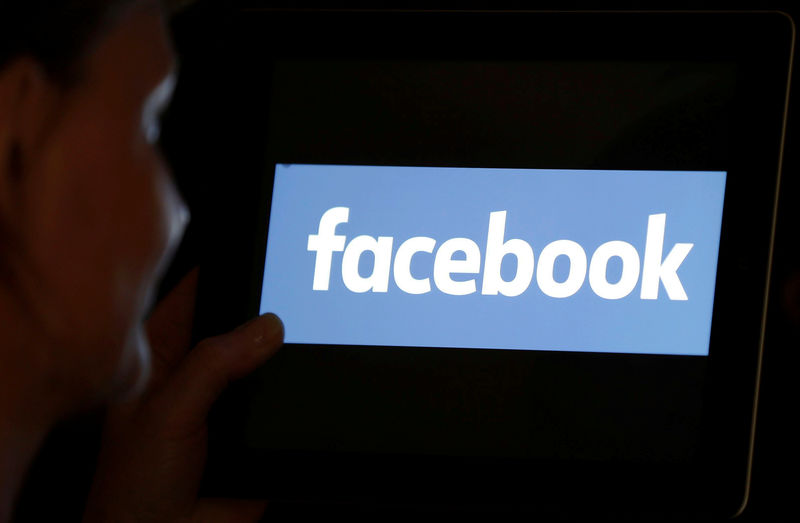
x: 88, y: 212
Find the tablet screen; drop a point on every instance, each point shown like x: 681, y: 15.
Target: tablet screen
x: 570, y: 260
x: 480, y: 258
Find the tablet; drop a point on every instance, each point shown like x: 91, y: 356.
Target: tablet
x: 521, y: 258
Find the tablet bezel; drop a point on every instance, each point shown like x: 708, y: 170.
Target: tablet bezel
x: 763, y: 58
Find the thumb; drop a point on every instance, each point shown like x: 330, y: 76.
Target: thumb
x: 213, y: 363
x: 228, y: 511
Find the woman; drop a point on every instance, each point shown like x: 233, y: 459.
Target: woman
x: 88, y: 219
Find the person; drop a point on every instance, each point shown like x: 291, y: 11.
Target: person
x: 88, y: 220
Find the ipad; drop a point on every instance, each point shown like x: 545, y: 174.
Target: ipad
x: 521, y: 258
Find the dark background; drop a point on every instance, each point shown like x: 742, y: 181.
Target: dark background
x: 59, y: 479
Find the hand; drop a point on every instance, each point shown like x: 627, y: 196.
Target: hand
x: 154, y: 446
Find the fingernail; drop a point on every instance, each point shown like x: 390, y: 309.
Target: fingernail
x: 271, y: 330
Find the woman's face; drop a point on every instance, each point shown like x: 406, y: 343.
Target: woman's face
x: 103, y: 213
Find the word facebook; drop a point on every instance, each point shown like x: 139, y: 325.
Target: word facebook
x: 655, y: 268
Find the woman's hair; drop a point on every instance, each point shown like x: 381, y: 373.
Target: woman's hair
x: 55, y: 33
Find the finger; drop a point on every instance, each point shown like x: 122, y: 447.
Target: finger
x: 169, y: 327
x: 210, y: 366
x: 229, y: 510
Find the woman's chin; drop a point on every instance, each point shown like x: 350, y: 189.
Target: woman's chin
x: 134, y: 367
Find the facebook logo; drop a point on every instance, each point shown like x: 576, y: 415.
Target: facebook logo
x: 326, y: 242
x: 596, y: 261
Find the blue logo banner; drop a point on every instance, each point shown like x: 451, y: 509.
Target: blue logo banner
x: 529, y: 259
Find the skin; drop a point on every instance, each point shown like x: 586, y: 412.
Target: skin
x: 88, y: 219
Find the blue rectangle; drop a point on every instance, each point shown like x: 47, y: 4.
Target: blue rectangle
x: 368, y: 297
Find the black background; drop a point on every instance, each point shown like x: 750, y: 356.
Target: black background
x: 63, y: 470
